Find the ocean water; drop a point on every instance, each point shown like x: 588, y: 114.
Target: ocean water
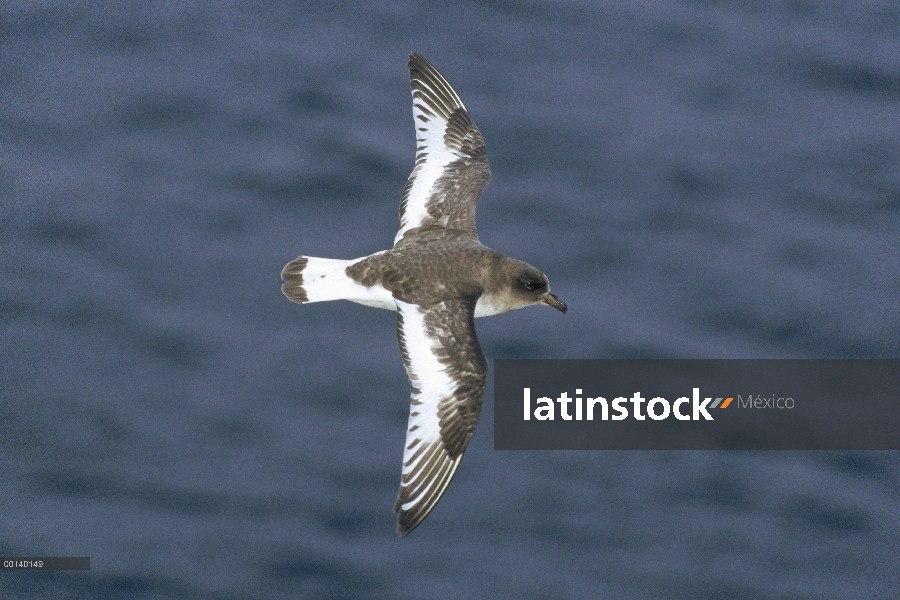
x: 706, y: 179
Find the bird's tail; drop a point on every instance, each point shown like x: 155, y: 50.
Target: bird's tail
x: 311, y: 279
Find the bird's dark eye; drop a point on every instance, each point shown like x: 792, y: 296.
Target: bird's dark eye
x: 531, y: 284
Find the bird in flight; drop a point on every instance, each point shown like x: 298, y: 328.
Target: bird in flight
x: 438, y: 277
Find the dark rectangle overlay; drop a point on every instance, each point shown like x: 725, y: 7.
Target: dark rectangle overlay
x: 45, y: 563
x: 721, y: 404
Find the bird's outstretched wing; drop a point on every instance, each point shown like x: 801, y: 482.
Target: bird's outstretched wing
x: 447, y: 374
x: 451, y: 167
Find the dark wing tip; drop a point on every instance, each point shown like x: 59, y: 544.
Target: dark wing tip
x: 424, y: 487
x: 434, y: 89
x: 416, y: 59
x: 404, y: 526
x: 418, y: 64
x: 407, y: 520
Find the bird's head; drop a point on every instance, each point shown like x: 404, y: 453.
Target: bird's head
x: 532, y: 287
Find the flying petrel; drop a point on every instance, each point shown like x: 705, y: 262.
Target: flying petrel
x: 438, y: 277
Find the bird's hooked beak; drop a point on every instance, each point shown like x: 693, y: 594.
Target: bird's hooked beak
x: 553, y: 301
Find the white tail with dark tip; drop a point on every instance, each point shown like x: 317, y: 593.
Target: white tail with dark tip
x: 313, y: 279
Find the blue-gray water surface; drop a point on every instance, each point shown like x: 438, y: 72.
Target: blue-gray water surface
x: 699, y: 179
